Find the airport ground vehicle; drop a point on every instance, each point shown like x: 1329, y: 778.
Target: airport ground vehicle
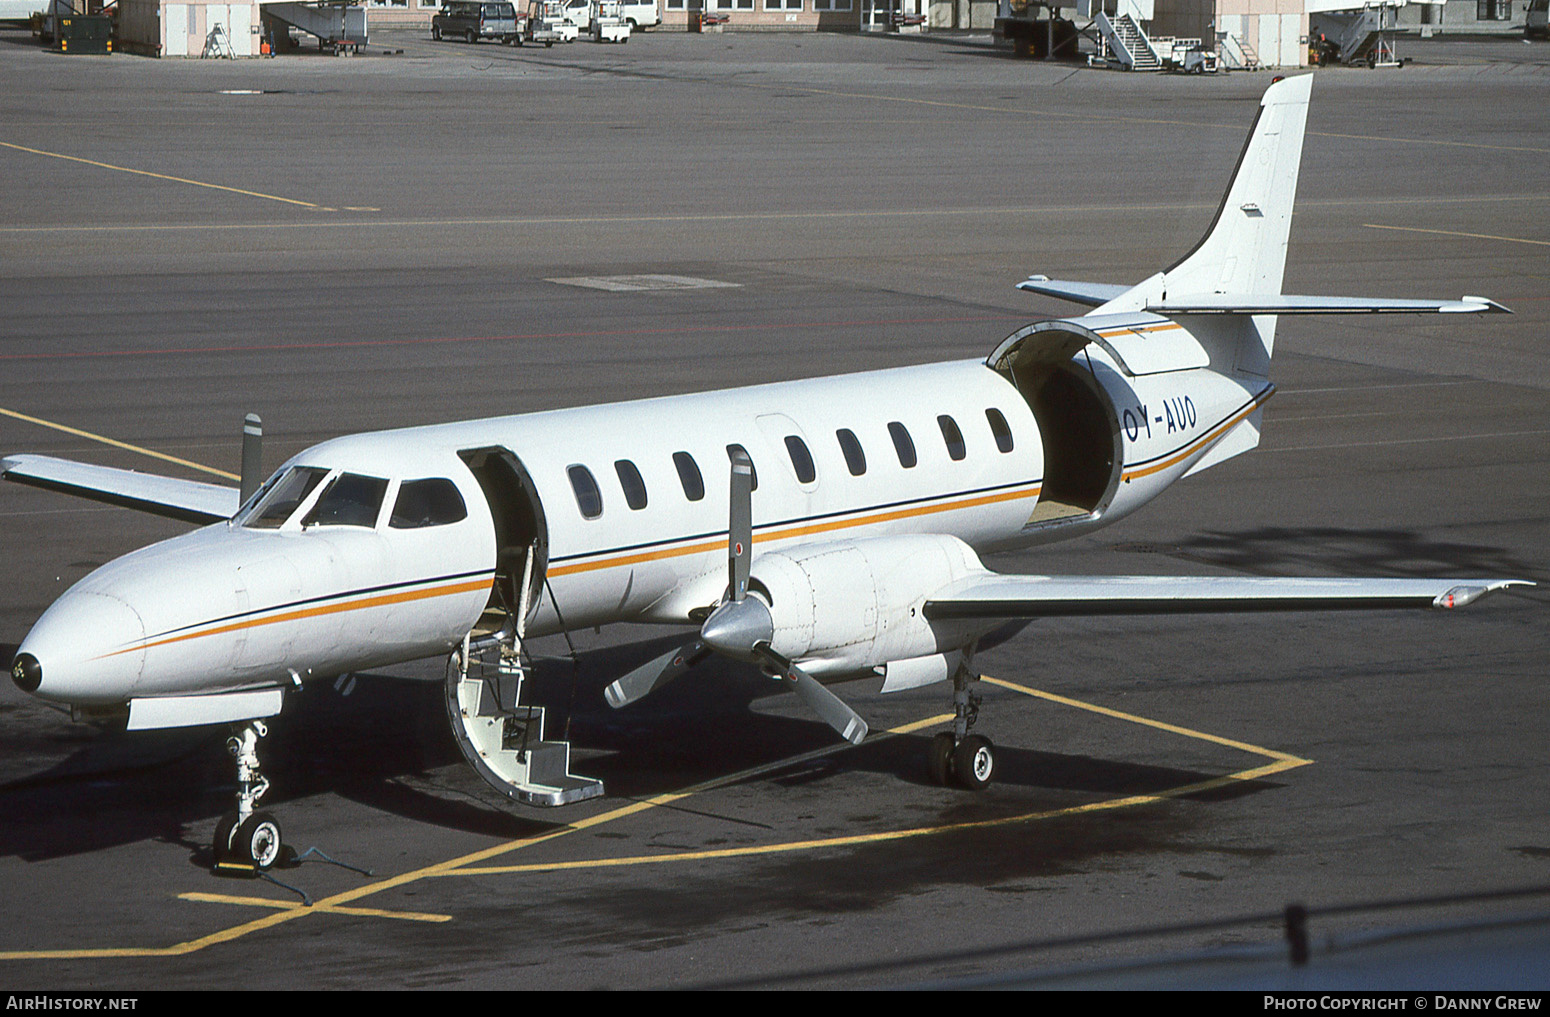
x: 639, y: 14
x: 471, y: 21
x: 606, y: 22
x: 1536, y: 20
x: 546, y: 23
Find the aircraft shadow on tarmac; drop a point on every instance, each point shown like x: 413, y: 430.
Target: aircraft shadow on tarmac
x: 1330, y: 550
x: 383, y: 742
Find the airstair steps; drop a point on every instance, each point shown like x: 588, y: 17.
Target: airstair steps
x: 1126, y: 43
x: 502, y: 739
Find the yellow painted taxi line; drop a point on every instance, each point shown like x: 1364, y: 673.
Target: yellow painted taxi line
x: 290, y: 905
x: 1279, y: 762
x: 117, y: 444
x: 801, y: 530
x: 160, y: 176
x: 470, y: 864
x: 381, y: 600
x: 1455, y: 233
x: 888, y: 835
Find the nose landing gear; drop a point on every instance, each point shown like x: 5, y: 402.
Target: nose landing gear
x: 246, y: 839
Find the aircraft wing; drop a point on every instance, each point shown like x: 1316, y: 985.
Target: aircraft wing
x: 1002, y: 596
x: 185, y: 500
x: 1289, y: 303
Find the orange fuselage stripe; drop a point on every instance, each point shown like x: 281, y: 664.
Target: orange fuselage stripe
x: 382, y: 600
x: 793, y: 531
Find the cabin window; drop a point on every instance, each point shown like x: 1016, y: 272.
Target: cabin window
x: 855, y: 457
x: 351, y: 500
x: 754, y: 470
x: 432, y: 502
x: 801, y: 459
x: 284, y: 496
x: 999, y: 428
x: 903, y: 444
x: 634, y: 486
x: 952, y: 437
x: 689, y: 476
x: 588, y: 498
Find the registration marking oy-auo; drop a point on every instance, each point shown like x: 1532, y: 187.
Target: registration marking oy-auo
x: 474, y: 863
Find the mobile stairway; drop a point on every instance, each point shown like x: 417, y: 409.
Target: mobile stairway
x: 1123, y: 44
x: 1353, y: 36
x: 338, y: 27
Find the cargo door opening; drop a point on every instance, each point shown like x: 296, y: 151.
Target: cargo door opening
x: 1077, y: 424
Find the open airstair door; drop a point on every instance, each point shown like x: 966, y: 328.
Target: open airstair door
x: 521, y: 536
x: 501, y: 737
x: 1083, y: 458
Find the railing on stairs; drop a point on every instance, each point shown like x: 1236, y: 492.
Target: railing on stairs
x: 1125, y: 44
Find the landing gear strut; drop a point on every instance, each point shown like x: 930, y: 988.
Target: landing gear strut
x: 247, y: 838
x: 957, y: 757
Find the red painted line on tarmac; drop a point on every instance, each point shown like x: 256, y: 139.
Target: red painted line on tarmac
x: 357, y: 343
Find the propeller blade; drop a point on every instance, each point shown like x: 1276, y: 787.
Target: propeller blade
x: 654, y: 674
x: 740, y: 523
x: 829, y: 707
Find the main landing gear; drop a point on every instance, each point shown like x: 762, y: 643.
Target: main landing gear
x: 957, y: 757
x: 246, y: 839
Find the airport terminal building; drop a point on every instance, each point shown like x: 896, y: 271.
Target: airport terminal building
x: 1252, y: 33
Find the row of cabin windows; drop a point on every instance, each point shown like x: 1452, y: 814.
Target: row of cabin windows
x: 589, y: 497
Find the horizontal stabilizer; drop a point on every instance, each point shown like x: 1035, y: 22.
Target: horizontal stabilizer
x: 185, y: 500
x: 1276, y: 303
x: 999, y: 596
x: 1091, y: 294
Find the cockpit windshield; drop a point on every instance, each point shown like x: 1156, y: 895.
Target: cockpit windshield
x: 283, y: 497
x: 351, y: 500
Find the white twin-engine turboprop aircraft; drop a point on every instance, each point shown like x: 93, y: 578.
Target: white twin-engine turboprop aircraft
x: 848, y: 545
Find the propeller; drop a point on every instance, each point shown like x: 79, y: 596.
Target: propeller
x: 741, y: 628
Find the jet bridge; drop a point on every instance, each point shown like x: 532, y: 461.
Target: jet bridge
x: 338, y: 26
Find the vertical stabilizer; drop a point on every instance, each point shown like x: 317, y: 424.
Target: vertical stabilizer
x: 1244, y: 251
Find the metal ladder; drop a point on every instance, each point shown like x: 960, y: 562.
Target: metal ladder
x: 503, y: 739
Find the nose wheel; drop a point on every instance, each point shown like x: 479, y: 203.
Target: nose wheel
x: 246, y: 839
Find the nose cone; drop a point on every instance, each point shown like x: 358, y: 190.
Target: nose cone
x: 26, y: 672
x: 88, y: 648
x: 736, y: 627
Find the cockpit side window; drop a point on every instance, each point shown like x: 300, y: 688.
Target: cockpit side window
x: 432, y: 502
x: 284, y: 495
x: 351, y: 500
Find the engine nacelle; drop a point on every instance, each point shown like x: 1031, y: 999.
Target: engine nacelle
x: 848, y: 607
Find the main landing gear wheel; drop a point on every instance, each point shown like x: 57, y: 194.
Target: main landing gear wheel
x: 940, y: 758
x: 974, y: 762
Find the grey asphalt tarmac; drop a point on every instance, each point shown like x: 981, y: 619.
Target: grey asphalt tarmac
x: 350, y: 244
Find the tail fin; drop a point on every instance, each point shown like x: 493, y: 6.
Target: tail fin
x: 1244, y: 251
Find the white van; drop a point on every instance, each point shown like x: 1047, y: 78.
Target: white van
x: 637, y: 14
x: 641, y: 13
